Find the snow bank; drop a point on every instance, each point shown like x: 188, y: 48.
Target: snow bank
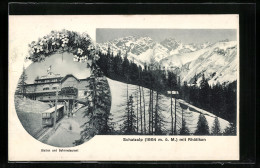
x: 118, y: 93
x: 29, y: 106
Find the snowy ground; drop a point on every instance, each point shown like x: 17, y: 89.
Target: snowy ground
x: 29, y: 113
x: 30, y: 106
x: 118, y: 93
x: 68, y: 130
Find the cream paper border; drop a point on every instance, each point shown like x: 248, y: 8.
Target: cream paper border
x: 23, y: 147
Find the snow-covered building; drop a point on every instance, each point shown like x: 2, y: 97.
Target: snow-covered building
x: 44, y: 88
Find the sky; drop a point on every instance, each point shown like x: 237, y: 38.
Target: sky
x: 183, y: 35
x: 58, y: 66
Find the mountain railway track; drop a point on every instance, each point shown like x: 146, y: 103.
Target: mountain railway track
x: 41, y: 132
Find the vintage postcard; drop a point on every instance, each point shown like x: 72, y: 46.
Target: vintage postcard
x: 123, y: 88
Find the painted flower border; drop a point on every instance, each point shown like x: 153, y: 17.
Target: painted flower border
x: 80, y: 45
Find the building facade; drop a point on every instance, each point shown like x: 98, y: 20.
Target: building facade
x: 45, y: 87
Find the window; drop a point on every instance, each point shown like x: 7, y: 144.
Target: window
x: 54, y: 88
x: 45, y: 115
x: 85, y: 93
x: 46, y: 88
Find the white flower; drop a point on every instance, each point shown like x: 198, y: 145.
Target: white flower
x: 64, y: 35
x: 82, y: 59
x: 90, y: 47
x: 58, y: 36
x: 80, y: 51
x: 31, y: 51
x: 85, y: 35
x: 38, y: 48
x: 44, y: 39
x: 75, y: 58
x: 65, y: 40
x: 96, y: 57
x: 91, y: 104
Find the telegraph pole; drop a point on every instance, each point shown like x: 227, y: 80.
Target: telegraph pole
x: 55, y: 113
x: 174, y: 131
x: 171, y: 114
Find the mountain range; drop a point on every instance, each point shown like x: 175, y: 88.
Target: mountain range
x: 217, y: 61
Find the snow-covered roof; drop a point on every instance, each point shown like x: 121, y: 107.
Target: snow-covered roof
x: 50, y: 110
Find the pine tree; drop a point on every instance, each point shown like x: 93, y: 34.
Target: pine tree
x: 21, y: 88
x: 144, y: 111
x: 217, y: 99
x: 98, y: 108
x: 137, y: 109
x: 230, y: 130
x: 158, y: 117
x: 184, y: 129
x: 194, y: 92
x: 149, y: 111
x: 172, y: 85
x: 204, y: 93
x: 103, y: 63
x: 152, y: 113
x: 110, y: 60
x: 202, y: 126
x: 117, y: 65
x: 133, y: 72
x: 216, y: 127
x: 140, y: 105
x: 195, y: 79
x: 125, y: 67
x: 129, y: 124
x: 230, y: 102
x: 185, y: 92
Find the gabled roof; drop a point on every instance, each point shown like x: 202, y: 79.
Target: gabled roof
x: 69, y: 75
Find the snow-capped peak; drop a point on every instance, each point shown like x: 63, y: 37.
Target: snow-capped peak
x: 216, y: 60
